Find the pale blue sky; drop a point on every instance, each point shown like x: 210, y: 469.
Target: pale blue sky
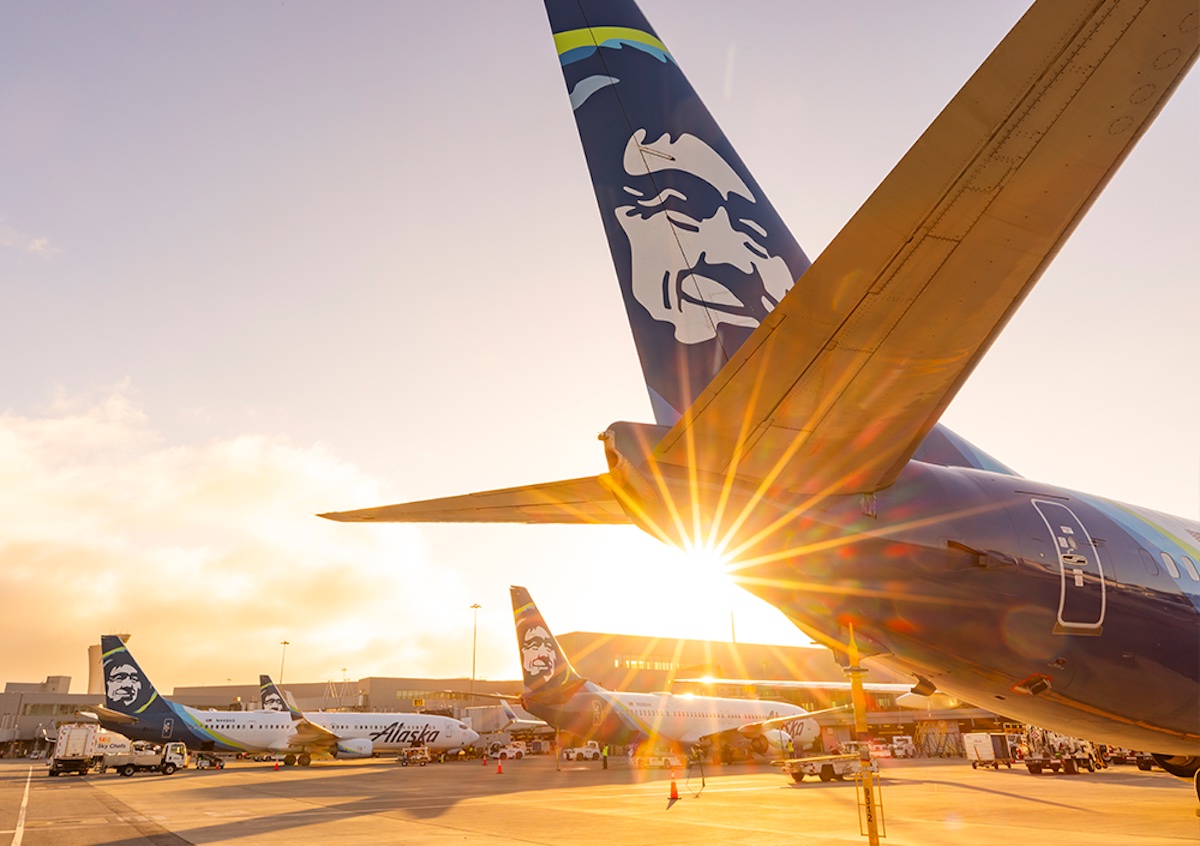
x: 263, y: 260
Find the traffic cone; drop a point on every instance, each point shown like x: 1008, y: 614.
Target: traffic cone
x: 499, y: 767
x: 276, y: 765
x: 485, y: 760
x: 674, y: 790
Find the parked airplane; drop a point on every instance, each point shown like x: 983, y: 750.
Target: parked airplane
x: 385, y: 732
x: 134, y: 708
x: 556, y: 693
x: 797, y: 429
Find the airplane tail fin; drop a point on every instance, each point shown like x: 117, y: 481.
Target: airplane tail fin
x: 271, y: 698
x: 127, y: 689
x: 701, y: 254
x: 549, y: 676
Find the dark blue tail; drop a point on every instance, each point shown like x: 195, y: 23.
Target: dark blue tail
x: 549, y: 676
x: 701, y: 254
x: 127, y: 689
x: 271, y: 698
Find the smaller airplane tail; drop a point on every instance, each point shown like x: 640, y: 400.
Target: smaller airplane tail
x: 127, y: 689
x: 271, y: 698
x: 549, y: 676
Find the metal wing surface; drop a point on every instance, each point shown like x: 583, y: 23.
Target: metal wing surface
x: 583, y: 500
x: 837, y: 387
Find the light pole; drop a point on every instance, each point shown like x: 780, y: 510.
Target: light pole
x: 284, y: 644
x: 474, y: 642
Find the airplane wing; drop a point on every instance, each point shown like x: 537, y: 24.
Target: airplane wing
x: 834, y: 391
x: 108, y: 715
x: 583, y: 500
x: 874, y: 687
x: 760, y: 726
x: 504, y: 697
x: 310, y: 735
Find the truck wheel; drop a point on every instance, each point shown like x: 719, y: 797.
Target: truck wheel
x: 1035, y: 769
x: 503, y: 756
x: 1069, y: 766
x: 128, y: 770
x: 520, y: 754
x: 827, y: 773
x: 168, y: 769
x: 797, y: 777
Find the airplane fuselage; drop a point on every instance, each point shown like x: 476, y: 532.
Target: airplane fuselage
x: 615, y: 718
x: 274, y: 731
x: 1049, y: 606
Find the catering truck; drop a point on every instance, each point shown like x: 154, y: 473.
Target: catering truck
x: 165, y: 759
x: 82, y: 747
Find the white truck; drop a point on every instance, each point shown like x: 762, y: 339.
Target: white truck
x: 82, y: 747
x: 589, y: 751
x: 165, y: 759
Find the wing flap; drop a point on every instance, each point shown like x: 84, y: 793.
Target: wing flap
x: 835, y: 390
x: 583, y: 500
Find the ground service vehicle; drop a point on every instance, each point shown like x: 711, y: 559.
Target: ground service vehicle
x: 418, y: 755
x: 1049, y: 750
x: 824, y: 767
x: 667, y: 760
x: 990, y: 749
x: 166, y: 760
x: 590, y: 751
x: 82, y: 746
x: 515, y: 749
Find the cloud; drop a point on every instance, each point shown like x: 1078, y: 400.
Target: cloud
x: 208, y: 553
x: 15, y: 240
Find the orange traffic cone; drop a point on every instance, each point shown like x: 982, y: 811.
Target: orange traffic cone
x: 485, y: 760
x: 276, y: 765
x: 674, y: 790
x: 499, y: 768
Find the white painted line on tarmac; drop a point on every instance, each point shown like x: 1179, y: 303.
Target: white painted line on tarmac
x: 19, y: 831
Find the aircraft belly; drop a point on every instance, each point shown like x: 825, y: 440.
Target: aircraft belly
x: 958, y: 578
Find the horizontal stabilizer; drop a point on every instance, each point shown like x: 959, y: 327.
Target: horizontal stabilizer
x: 583, y: 500
x: 837, y: 387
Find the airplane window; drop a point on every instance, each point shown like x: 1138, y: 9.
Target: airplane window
x: 1170, y: 564
x: 1190, y: 566
x: 1148, y: 562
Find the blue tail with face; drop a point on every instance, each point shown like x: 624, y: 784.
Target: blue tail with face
x: 701, y: 254
x: 127, y: 689
x: 271, y: 698
x: 549, y: 676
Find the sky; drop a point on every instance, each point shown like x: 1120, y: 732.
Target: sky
x: 260, y: 261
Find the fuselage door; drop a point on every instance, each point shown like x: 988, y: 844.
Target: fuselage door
x: 168, y: 725
x: 1081, y: 600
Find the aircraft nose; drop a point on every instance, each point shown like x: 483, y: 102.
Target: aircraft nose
x: 472, y: 736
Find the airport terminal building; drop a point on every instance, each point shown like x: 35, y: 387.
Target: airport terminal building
x: 29, y: 712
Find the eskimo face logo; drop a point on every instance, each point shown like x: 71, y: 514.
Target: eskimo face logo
x: 538, y: 656
x: 699, y: 256
x: 272, y: 701
x: 123, y: 682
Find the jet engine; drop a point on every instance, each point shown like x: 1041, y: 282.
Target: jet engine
x: 355, y: 747
x: 773, y: 742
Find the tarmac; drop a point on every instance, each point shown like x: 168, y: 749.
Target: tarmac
x: 925, y: 803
